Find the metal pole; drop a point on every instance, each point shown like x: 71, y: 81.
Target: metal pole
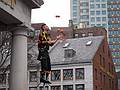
x: 38, y: 76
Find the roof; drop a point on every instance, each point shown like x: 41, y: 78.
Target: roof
x: 83, y: 53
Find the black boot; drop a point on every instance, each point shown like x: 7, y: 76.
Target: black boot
x: 47, y: 74
x: 43, y: 80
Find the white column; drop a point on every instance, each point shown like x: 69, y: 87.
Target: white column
x: 18, y: 71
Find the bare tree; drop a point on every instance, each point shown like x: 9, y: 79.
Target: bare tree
x: 5, y: 49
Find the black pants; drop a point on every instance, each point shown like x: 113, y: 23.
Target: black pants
x: 45, y: 59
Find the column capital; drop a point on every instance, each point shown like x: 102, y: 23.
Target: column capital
x: 20, y: 31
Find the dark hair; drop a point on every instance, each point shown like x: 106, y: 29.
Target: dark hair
x: 43, y: 26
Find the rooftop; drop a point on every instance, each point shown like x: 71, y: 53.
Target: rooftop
x: 84, y: 50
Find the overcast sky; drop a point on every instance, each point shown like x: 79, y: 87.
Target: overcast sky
x: 49, y: 10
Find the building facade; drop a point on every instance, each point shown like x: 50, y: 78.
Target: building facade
x: 114, y: 30
x: 77, y: 64
x: 100, y: 13
x: 83, y: 64
x: 90, y: 12
x: 15, y: 17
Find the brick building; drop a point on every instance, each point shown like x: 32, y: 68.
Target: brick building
x: 79, y: 32
x: 15, y: 18
x: 103, y: 76
x: 73, y: 32
x: 78, y: 64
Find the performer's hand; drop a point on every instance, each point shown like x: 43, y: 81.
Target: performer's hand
x: 58, y: 37
x: 51, y: 41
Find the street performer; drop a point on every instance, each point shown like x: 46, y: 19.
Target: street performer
x: 44, y: 42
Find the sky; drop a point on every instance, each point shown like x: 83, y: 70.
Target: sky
x: 47, y: 12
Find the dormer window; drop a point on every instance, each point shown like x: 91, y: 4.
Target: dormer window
x: 89, y: 43
x: 83, y: 34
x: 76, y: 35
x: 90, y: 34
x: 69, y: 53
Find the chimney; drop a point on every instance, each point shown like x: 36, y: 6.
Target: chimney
x: 82, y: 25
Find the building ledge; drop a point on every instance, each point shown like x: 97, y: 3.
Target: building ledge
x: 37, y: 3
x: 34, y: 3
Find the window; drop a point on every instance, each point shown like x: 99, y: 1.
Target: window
x: 92, y: 19
x: 2, y: 78
x: 116, y: 60
x: 32, y: 88
x: 67, y: 87
x: 90, y: 34
x: 100, y: 59
x: 103, y: 62
x: 91, y: 1
x: 84, y: 4
x: 97, y: 0
x: 110, y: 83
x: 98, y: 19
x: 103, y: 5
x: 55, y: 88
x: 117, y: 67
x: 79, y: 87
x: 68, y: 74
x: 113, y: 84
x: 97, y: 12
x: 92, y: 25
x: 109, y: 67
x: 84, y: 17
x: 95, y: 87
x: 74, y: 20
x: 95, y: 73
x: 33, y: 76
x: 74, y: 8
x: 46, y: 88
x: 98, y: 25
x: 97, y: 5
x: 69, y: 53
x: 76, y: 35
x: 103, y: 0
x: 83, y: 34
x: 92, y: 12
x: 74, y: 14
x: 100, y: 77
x: 84, y: 11
x: 2, y: 88
x: 104, y: 79
x: 92, y: 6
x: 104, y: 25
x: 103, y: 18
x: 104, y: 12
x: 79, y: 73
x: 55, y: 75
x: 75, y: 2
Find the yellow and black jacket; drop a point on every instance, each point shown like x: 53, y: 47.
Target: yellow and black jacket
x: 43, y: 38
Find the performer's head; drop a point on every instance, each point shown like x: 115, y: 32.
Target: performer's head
x: 44, y: 27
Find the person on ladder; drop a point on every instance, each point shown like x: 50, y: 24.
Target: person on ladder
x: 44, y: 41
